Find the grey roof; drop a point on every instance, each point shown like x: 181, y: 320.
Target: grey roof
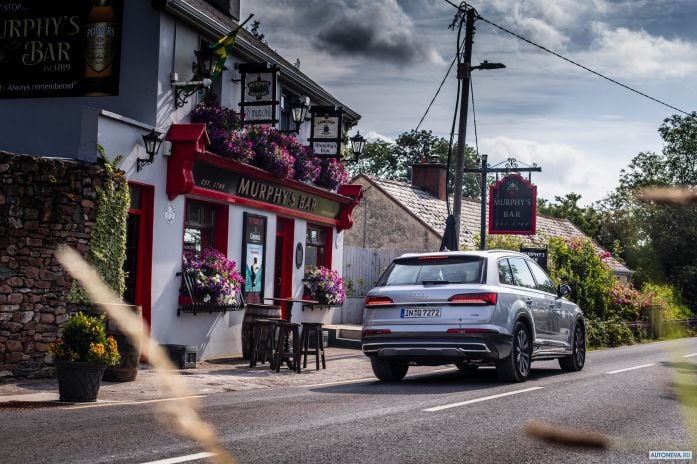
x: 433, y: 212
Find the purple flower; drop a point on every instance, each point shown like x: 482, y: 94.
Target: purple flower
x: 332, y: 175
x: 216, y: 278
x: 325, y: 285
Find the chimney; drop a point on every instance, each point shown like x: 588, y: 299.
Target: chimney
x: 431, y: 175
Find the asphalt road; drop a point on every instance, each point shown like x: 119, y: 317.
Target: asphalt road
x: 439, y: 416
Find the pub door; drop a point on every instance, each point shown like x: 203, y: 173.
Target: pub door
x: 138, y: 265
x: 283, y: 264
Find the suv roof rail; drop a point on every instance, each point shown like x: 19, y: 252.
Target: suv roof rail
x: 506, y: 251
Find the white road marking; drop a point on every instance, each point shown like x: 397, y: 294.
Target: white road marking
x: 690, y: 355
x: 631, y: 368
x: 128, y: 403
x: 190, y: 457
x: 368, y: 379
x: 484, y: 398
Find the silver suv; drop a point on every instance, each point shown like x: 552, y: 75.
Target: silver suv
x: 470, y: 308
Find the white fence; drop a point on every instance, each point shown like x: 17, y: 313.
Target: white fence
x: 364, y: 266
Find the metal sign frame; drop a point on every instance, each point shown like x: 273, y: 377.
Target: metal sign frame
x: 327, y: 112
x: 517, y: 228
x: 247, y: 69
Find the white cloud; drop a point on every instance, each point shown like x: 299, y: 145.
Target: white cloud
x: 638, y: 54
x: 565, y: 168
x: 373, y: 136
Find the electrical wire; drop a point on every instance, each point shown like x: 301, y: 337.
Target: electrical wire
x: 476, y: 139
x: 436, y: 95
x: 518, y: 36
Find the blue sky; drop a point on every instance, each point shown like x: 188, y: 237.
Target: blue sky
x: 385, y: 59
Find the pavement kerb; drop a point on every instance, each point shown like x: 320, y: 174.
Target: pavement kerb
x: 214, y: 376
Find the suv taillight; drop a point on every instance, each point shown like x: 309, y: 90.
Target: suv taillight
x: 474, y: 299
x: 377, y: 300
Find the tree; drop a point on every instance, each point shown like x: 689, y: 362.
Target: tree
x: 394, y: 160
x: 665, y: 232
x: 566, y: 207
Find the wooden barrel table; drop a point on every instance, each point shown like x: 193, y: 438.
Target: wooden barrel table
x: 127, y: 368
x: 251, y: 313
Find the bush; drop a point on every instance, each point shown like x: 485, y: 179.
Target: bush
x: 607, y: 333
x: 84, y: 339
x: 670, y: 300
x: 577, y: 263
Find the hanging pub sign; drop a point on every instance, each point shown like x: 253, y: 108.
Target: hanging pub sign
x: 539, y: 255
x: 60, y: 49
x: 259, y: 89
x: 254, y: 257
x: 326, y: 131
x: 512, y: 206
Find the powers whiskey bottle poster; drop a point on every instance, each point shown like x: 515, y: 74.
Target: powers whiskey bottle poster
x: 59, y: 49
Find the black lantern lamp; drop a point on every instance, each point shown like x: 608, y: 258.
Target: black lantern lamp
x: 357, y: 144
x: 152, y: 142
x: 298, y: 111
x: 204, y: 69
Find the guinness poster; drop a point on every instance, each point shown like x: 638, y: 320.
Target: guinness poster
x: 254, y: 257
x: 59, y: 49
x: 512, y: 206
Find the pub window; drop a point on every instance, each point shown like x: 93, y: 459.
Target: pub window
x: 199, y: 227
x: 285, y: 121
x: 317, y: 246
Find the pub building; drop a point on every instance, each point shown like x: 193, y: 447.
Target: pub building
x: 73, y: 95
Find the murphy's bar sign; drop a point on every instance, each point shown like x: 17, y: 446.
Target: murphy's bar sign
x: 259, y: 90
x: 59, y: 49
x: 326, y: 131
x: 512, y: 206
x: 237, y: 184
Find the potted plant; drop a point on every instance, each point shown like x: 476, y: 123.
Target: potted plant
x: 325, y: 286
x: 214, y: 278
x: 82, y: 354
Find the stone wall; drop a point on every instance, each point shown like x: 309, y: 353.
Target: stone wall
x: 43, y: 202
x: 379, y: 222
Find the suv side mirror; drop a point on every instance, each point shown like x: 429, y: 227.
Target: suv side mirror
x: 563, y: 290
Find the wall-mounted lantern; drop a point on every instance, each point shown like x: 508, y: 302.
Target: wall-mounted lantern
x: 357, y: 144
x: 152, y: 141
x: 203, y: 69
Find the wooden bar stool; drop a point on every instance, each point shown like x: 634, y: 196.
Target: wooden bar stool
x: 284, y: 352
x: 318, y: 350
x: 263, y: 341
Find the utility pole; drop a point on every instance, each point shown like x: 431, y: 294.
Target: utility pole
x: 463, y: 73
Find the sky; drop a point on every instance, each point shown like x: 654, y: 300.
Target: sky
x: 386, y: 58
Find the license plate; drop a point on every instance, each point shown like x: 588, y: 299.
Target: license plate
x: 408, y: 313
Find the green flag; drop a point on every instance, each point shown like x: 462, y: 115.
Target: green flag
x: 223, y: 48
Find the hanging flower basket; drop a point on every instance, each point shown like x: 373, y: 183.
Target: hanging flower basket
x: 325, y: 286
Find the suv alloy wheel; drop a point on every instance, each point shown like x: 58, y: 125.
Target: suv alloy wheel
x: 516, y: 366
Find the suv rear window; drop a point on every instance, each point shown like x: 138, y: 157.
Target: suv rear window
x: 453, y: 270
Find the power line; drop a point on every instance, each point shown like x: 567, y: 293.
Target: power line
x: 518, y: 36
x: 437, y: 92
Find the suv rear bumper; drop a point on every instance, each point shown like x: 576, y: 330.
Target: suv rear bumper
x: 440, y: 350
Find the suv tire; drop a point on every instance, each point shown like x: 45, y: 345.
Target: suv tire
x: 575, y: 361
x: 388, y: 371
x: 516, y: 366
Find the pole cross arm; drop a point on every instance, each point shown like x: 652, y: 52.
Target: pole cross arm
x: 504, y: 170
